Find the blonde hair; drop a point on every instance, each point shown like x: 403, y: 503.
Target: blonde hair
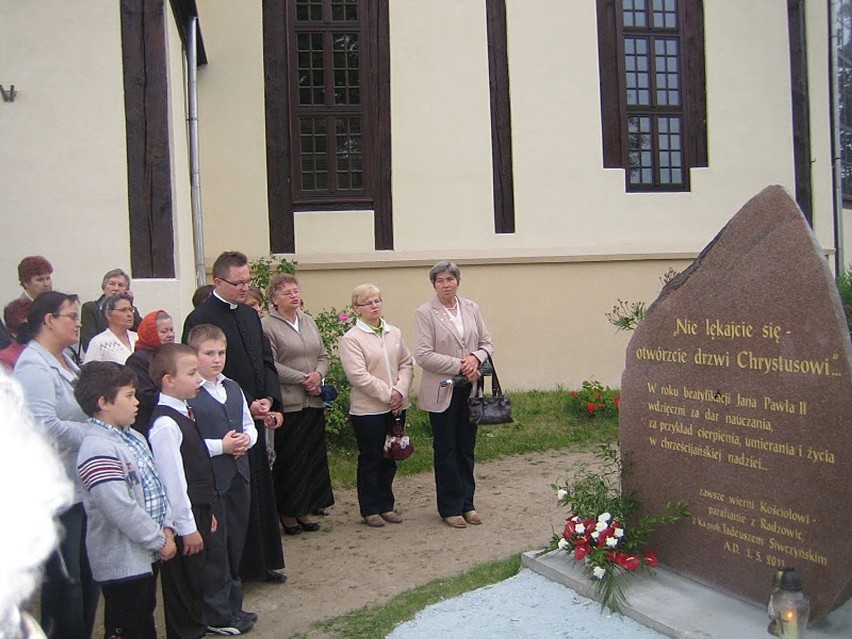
x: 203, y: 333
x: 362, y: 292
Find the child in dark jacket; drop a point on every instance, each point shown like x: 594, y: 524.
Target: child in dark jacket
x: 183, y: 463
x: 129, y: 520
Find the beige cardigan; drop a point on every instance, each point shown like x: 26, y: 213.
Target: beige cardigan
x: 375, y: 366
x: 296, y: 353
x: 439, y: 350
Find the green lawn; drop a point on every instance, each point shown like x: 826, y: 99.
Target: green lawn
x: 543, y: 421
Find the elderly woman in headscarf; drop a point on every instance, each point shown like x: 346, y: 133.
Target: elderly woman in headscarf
x: 155, y: 329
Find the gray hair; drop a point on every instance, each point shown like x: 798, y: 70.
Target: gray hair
x: 442, y: 267
x: 110, y: 302
x: 116, y: 272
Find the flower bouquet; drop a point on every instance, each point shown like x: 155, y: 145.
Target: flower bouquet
x: 602, y: 532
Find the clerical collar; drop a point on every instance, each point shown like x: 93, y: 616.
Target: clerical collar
x: 224, y: 301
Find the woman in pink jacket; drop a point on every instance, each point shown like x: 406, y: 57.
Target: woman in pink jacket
x: 380, y: 369
x: 451, y: 338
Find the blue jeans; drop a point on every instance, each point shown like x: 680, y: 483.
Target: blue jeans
x: 453, y: 444
x: 69, y: 594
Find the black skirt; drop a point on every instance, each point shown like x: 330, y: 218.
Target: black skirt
x: 300, y: 473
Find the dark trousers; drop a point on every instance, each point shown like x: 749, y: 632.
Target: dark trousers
x: 69, y: 595
x: 223, y: 589
x: 182, y: 578
x: 129, y: 607
x: 375, y: 473
x: 453, y: 443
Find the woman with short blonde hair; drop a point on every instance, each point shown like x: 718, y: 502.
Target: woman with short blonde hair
x: 380, y: 369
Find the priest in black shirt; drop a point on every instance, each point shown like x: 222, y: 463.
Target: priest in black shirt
x: 248, y: 362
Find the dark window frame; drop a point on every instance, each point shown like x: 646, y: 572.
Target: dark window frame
x: 285, y: 195
x: 615, y: 112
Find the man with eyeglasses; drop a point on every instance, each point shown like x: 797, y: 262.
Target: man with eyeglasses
x: 248, y: 362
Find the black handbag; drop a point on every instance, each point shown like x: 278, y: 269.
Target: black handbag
x: 496, y: 409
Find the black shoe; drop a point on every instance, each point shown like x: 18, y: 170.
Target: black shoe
x: 291, y: 530
x: 236, y: 626
x: 308, y: 526
x: 275, y: 577
x: 251, y: 616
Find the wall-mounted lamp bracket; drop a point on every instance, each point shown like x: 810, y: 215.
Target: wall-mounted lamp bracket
x: 8, y: 95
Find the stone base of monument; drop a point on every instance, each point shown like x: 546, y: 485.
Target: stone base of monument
x: 682, y: 608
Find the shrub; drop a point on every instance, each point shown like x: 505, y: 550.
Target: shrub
x: 332, y: 324
x: 594, y: 399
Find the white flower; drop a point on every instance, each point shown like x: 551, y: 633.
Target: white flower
x: 595, y: 535
x: 598, y: 572
x: 600, y: 526
x: 604, y: 517
x: 619, y: 532
x: 563, y: 544
x: 561, y: 493
x: 611, y: 542
x: 580, y: 529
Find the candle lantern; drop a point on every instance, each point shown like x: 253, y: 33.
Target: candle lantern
x: 791, y: 606
x: 770, y: 609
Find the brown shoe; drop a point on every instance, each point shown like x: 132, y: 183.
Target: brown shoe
x: 472, y: 517
x: 375, y: 521
x: 456, y: 521
x: 391, y: 517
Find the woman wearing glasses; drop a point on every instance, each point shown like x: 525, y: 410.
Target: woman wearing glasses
x: 69, y: 595
x: 380, y: 369
x: 451, y: 338
x: 116, y: 343
x: 300, y: 472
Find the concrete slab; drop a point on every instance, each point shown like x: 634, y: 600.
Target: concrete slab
x: 681, y: 608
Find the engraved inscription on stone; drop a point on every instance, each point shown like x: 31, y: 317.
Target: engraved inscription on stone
x: 737, y: 399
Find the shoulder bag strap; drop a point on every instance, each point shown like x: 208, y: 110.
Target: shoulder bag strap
x: 496, y: 389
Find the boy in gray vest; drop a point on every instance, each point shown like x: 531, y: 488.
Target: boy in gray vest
x: 226, y: 423
x: 183, y: 463
x: 129, y: 526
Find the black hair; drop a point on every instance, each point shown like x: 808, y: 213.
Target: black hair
x: 101, y: 379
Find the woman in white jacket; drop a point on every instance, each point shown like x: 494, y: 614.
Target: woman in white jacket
x: 380, y: 369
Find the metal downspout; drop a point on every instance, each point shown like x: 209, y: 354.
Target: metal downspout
x: 834, y: 43
x: 194, y: 172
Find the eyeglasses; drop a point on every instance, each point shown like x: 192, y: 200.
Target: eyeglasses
x: 376, y: 302
x: 240, y: 284
x: 293, y: 292
x: 128, y: 309
x: 74, y: 317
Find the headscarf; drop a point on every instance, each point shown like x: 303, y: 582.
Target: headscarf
x: 149, y: 338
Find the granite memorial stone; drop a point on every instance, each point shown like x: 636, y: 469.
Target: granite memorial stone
x: 737, y: 399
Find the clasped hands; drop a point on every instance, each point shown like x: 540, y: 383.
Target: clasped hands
x: 260, y: 411
x: 470, y: 368
x: 312, y: 383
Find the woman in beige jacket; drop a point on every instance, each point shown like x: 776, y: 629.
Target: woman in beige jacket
x: 380, y: 369
x: 451, y: 338
x: 300, y: 472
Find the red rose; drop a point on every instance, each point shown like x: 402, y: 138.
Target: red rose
x: 618, y: 400
x: 601, y: 405
x: 590, y: 407
x: 574, y: 393
x: 650, y: 559
x: 597, y: 395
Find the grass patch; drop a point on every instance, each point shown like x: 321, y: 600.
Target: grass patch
x: 543, y: 421
x: 378, y: 621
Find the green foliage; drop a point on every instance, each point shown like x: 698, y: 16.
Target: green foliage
x: 262, y: 270
x: 376, y: 622
x: 594, y: 400
x: 625, y: 316
x: 844, y: 287
x: 332, y: 324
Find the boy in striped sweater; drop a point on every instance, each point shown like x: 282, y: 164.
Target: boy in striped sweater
x: 129, y: 526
